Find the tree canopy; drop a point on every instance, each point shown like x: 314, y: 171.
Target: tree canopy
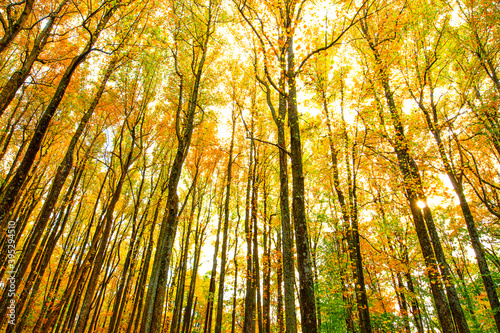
x: 250, y: 166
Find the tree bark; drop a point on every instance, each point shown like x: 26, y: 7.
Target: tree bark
x: 235, y: 263
x: 304, y: 263
x: 266, y: 264
x: 249, y: 318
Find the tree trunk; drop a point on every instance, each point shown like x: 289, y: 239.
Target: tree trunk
x: 225, y: 231
x: 235, y: 262
x: 211, y: 288
x: 279, y: 282
x: 249, y: 319
x: 198, y: 243
x: 304, y: 263
x: 415, y: 310
x: 255, y: 250
x: 287, y: 258
x: 350, y: 216
x: 266, y: 264
x: 176, y: 316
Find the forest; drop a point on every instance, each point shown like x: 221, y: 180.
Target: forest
x: 250, y: 166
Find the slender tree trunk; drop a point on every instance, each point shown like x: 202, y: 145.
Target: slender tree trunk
x: 468, y: 299
x: 279, y: 283
x: 415, y: 310
x: 286, y: 230
x: 316, y: 279
x: 249, y: 319
x: 192, y: 316
x: 266, y: 265
x: 211, y: 288
x: 304, y: 263
x: 402, y: 300
x: 176, y: 316
x: 199, y: 234
x: 99, y: 298
x: 235, y: 263
x: 255, y: 250
x: 225, y: 231
x: 346, y: 298
x: 11, y: 124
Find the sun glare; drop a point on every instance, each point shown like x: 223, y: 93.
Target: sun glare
x: 421, y: 204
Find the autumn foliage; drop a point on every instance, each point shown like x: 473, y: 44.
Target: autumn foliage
x: 250, y: 166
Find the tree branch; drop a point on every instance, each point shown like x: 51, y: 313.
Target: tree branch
x: 269, y: 143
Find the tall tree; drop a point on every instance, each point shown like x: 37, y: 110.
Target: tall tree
x: 153, y: 313
x: 225, y: 230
